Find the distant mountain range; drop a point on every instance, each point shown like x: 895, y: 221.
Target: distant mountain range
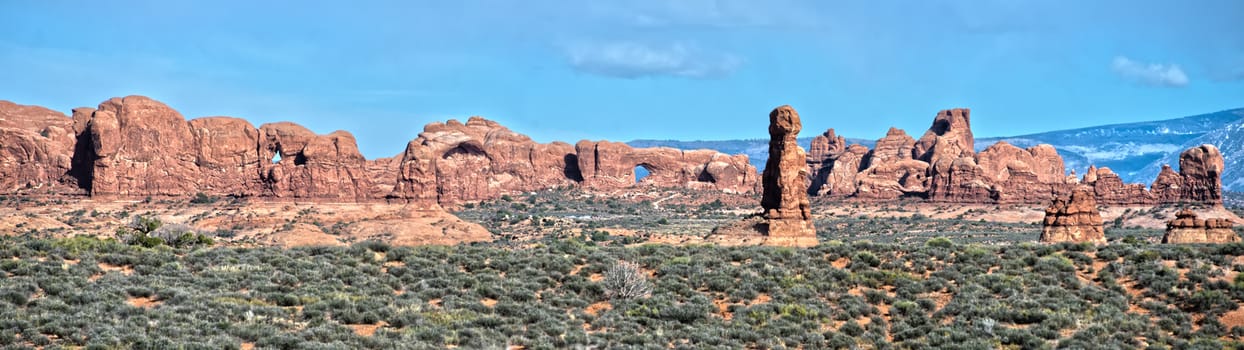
x: 1136, y: 151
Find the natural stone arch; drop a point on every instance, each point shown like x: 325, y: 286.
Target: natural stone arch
x: 648, y: 171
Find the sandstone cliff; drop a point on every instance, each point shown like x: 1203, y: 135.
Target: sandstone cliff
x: 941, y: 166
x: 138, y: 147
x: 134, y: 147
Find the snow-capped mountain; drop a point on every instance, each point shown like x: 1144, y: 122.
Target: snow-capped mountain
x: 1130, y: 149
x: 1229, y: 139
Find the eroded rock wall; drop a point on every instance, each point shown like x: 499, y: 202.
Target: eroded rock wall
x: 942, y: 166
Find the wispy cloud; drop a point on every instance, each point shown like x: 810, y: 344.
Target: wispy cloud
x: 1152, y: 74
x: 632, y: 60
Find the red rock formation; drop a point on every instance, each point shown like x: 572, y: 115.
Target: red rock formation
x: 1187, y: 228
x: 950, y: 137
x: 1168, y: 186
x: 141, y: 147
x: 824, y: 147
x: 896, y: 146
x: 138, y: 147
x: 953, y: 173
x: 454, y: 162
x: 325, y: 167
x: 890, y: 171
x: 1075, y: 219
x: 892, y: 179
x: 608, y: 165
x: 1020, y: 175
x: 1110, y: 189
x: 1199, y: 179
x: 942, y: 166
x: 785, y: 199
x: 959, y: 181
x: 1201, y: 168
x: 837, y: 177
x: 227, y: 154
x: 36, y: 148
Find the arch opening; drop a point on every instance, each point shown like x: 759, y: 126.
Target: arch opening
x: 641, y: 171
x: 464, y: 149
x: 704, y: 176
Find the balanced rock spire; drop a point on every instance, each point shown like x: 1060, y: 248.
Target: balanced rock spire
x: 785, y: 199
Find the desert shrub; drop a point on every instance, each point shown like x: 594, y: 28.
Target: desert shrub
x: 778, y: 298
x: 150, y: 232
x: 625, y: 280
x: 939, y: 242
x: 203, y: 198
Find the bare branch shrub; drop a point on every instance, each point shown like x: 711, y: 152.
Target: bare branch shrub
x: 626, y: 281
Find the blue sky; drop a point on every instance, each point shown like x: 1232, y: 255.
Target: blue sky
x: 622, y: 70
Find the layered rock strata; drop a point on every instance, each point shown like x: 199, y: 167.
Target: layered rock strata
x: 1187, y: 228
x: 1074, y: 219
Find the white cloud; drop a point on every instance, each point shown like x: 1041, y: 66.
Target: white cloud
x: 1152, y: 74
x: 632, y: 60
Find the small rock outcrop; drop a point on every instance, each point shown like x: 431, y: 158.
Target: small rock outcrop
x: 787, y: 211
x: 1075, y: 219
x: 1187, y: 228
